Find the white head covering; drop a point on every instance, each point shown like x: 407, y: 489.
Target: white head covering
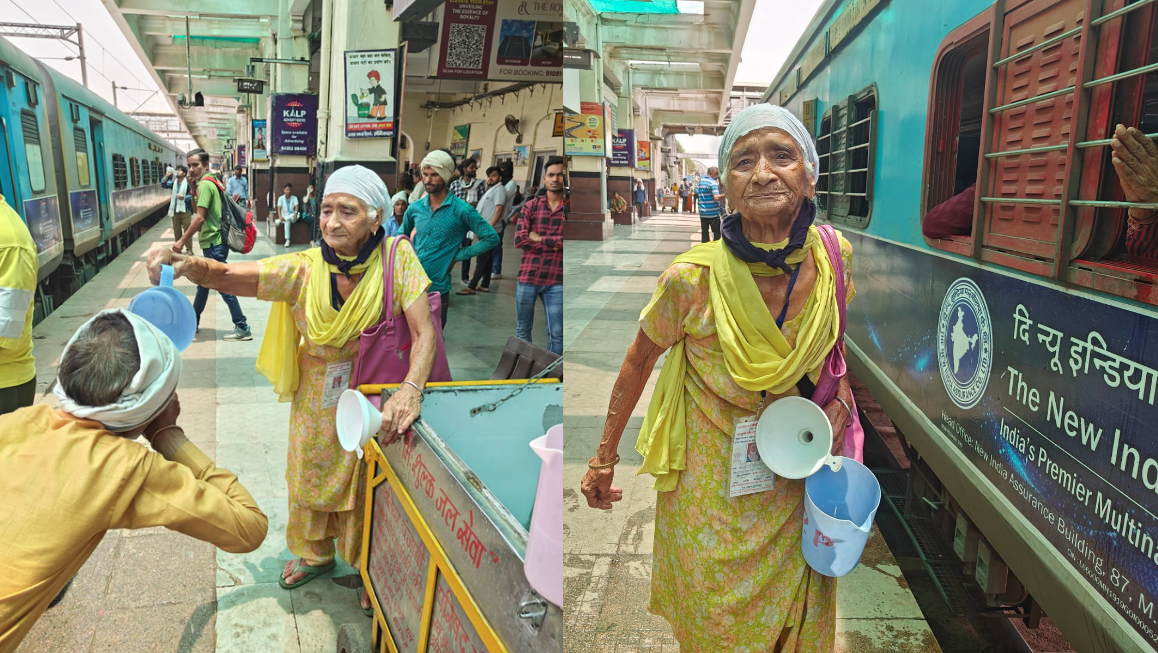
x: 441, y: 162
x: 762, y: 116
x: 149, y: 391
x: 363, y: 183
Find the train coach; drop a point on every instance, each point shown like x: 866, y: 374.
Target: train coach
x: 1018, y: 356
x: 83, y: 175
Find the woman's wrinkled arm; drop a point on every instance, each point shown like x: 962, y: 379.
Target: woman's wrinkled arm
x: 238, y: 279
x: 404, y: 406
x: 637, y: 366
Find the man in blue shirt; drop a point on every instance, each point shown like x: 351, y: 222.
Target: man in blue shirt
x: 639, y: 197
x: 442, y: 220
x: 708, y: 197
x: 238, y: 187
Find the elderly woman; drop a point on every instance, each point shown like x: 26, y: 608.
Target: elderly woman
x: 747, y: 320
x: 323, y: 299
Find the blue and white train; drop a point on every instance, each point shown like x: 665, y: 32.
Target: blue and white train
x: 83, y: 175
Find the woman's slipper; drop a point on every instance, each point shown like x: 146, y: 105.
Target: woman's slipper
x: 310, y: 572
x: 465, y: 291
x: 369, y: 612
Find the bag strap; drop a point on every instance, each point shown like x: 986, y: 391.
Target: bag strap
x: 388, y: 279
x: 832, y: 246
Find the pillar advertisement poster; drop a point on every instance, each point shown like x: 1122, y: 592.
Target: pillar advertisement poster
x: 293, y: 123
x: 260, y: 149
x: 583, y: 133
x: 1050, y: 396
x: 643, y: 156
x: 512, y: 40
x: 458, y: 140
x: 623, y: 148
x: 370, y: 76
x: 241, y: 155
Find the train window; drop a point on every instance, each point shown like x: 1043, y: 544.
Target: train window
x: 120, y: 172
x: 134, y: 172
x: 847, y: 150
x: 32, y: 150
x: 81, y: 142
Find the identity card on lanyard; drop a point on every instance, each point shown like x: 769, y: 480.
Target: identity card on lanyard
x: 337, y: 379
x: 749, y: 474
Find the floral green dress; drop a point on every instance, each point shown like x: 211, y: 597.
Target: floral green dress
x: 323, y: 477
x: 728, y: 573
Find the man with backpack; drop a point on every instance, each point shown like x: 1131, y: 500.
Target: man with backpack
x: 209, y: 196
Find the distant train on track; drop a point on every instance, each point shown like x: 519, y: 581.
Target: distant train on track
x: 83, y: 175
x: 1019, y: 357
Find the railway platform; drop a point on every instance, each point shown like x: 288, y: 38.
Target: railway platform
x: 155, y: 590
x: 607, y: 561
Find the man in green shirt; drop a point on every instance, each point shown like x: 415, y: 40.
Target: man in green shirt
x: 207, y: 227
x: 442, y: 221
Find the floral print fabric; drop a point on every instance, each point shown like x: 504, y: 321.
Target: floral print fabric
x: 728, y: 573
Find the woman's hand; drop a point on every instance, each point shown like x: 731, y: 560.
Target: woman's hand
x: 160, y: 255
x: 838, y: 417
x: 399, y: 413
x: 597, y: 487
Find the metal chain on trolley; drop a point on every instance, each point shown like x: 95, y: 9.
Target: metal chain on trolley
x: 491, y: 407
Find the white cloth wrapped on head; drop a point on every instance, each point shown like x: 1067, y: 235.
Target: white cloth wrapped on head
x: 363, y: 183
x: 440, y: 162
x: 763, y: 116
x: 149, y: 391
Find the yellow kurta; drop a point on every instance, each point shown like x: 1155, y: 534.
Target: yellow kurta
x: 728, y: 574
x: 65, y: 482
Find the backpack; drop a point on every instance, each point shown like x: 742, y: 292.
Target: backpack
x: 237, y: 229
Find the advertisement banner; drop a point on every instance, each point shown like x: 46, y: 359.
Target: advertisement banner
x: 623, y: 148
x: 370, y: 76
x: 583, y: 133
x: 458, y: 140
x: 1050, y: 395
x: 293, y: 123
x: 259, y: 143
x: 241, y: 155
x: 643, y: 156
x: 43, y: 217
x: 511, y: 40
x: 84, y: 210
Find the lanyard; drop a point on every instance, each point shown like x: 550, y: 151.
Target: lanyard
x: 787, y: 297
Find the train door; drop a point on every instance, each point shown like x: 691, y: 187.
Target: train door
x: 96, y: 127
x: 7, y: 168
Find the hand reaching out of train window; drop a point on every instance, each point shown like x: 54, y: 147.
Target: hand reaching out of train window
x: 1135, y: 158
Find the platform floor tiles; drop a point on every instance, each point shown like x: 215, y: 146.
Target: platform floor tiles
x: 607, y: 562
x: 155, y: 590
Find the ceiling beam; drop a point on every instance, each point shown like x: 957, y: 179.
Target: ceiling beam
x: 658, y: 77
x: 215, y: 8
x: 204, y: 59
x: 227, y: 27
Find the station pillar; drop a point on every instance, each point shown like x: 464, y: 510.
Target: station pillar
x: 588, y: 218
x: 292, y: 44
x: 353, y: 25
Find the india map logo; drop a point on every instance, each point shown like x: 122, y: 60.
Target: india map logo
x: 964, y: 343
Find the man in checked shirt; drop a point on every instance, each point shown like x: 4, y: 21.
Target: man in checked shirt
x: 540, y: 236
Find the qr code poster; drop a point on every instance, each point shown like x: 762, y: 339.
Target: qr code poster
x: 514, y: 40
x: 370, y: 101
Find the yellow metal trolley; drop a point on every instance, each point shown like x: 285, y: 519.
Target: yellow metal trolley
x: 447, y: 513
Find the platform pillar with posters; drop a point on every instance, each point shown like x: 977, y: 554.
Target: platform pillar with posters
x: 291, y: 127
x: 586, y: 145
x: 359, y: 117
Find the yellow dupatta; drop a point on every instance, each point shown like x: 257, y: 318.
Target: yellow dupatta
x: 755, y: 351
x: 278, y: 358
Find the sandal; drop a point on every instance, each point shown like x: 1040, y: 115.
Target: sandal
x: 484, y: 289
x: 311, y: 573
x: 465, y: 291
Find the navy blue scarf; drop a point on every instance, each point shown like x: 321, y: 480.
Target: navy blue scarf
x: 331, y: 257
x: 743, y: 249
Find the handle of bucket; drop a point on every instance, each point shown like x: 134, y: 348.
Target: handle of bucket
x: 167, y: 275
x: 834, y: 463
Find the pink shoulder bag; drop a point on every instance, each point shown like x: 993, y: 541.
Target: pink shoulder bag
x: 834, y: 366
x: 384, y: 349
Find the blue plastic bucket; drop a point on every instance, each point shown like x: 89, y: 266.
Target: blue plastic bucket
x: 839, y: 508
x: 168, y: 309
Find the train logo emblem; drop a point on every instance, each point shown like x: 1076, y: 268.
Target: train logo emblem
x: 964, y: 343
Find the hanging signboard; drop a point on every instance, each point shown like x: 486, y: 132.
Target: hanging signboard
x: 370, y: 109
x: 560, y: 125
x: 293, y: 123
x: 623, y: 148
x: 583, y: 133
x: 241, y: 155
x: 497, y: 40
x: 458, y: 140
x: 259, y: 145
x: 643, y: 156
